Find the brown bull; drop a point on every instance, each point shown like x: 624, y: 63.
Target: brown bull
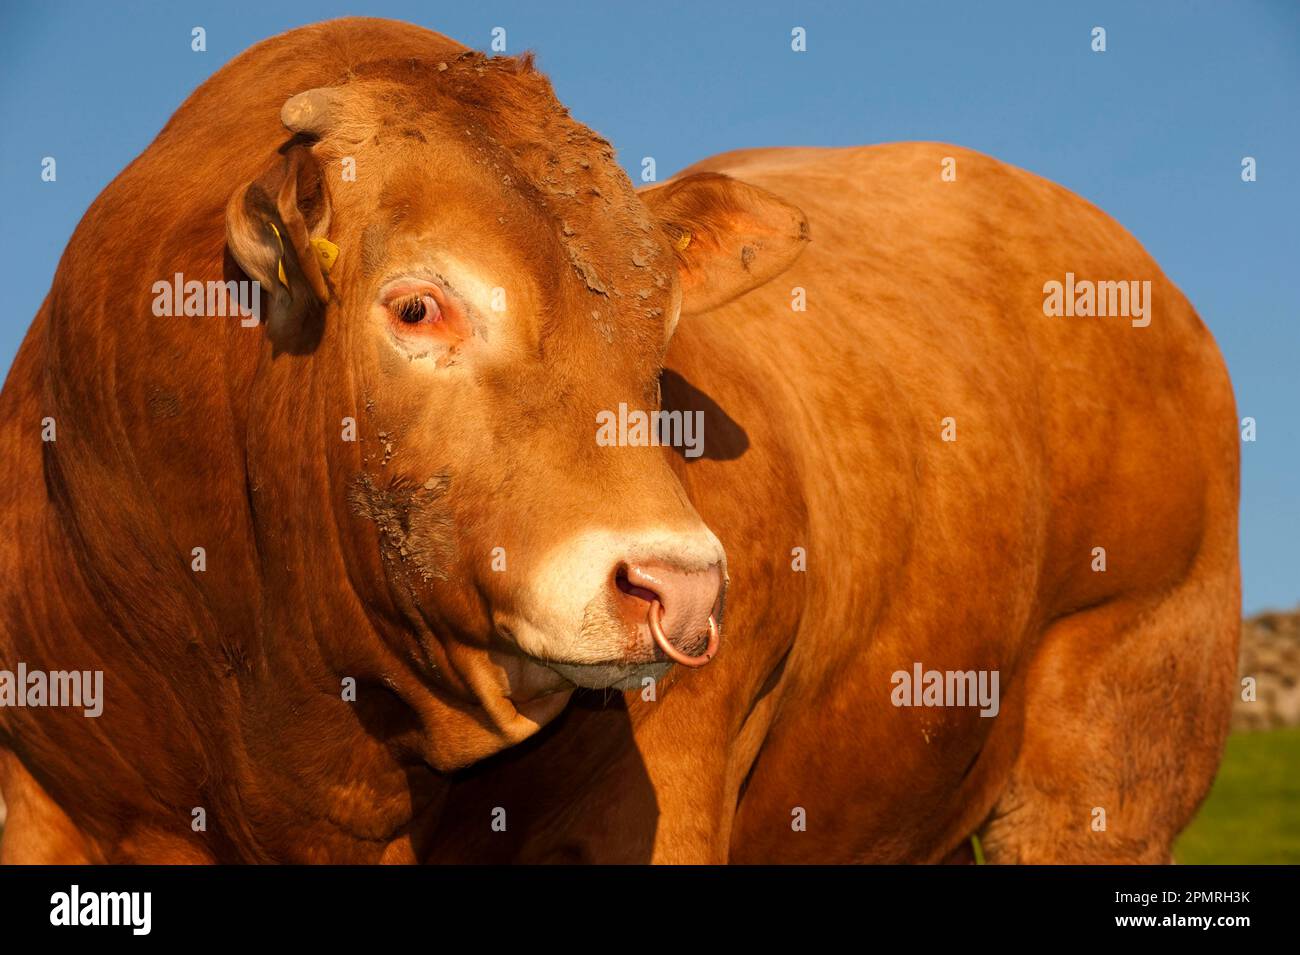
x: 971, y: 510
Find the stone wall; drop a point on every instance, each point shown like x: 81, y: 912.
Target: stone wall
x: 1270, y: 652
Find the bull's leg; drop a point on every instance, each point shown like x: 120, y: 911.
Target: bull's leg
x: 1127, y: 707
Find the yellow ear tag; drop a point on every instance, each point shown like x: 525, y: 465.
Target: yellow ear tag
x: 280, y: 263
x: 683, y: 241
x: 326, y: 252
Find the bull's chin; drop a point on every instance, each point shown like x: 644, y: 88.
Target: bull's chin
x: 610, y: 676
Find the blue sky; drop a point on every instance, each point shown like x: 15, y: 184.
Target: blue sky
x: 1153, y: 131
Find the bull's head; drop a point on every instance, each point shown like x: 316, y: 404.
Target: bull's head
x: 499, y: 284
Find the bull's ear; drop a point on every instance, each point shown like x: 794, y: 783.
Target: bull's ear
x: 275, y: 227
x: 729, y: 236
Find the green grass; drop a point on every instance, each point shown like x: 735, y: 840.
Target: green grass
x: 1253, y: 812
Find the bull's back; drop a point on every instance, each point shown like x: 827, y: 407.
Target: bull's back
x: 925, y: 319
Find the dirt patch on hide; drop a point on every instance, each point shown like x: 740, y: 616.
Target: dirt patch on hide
x: 414, y: 521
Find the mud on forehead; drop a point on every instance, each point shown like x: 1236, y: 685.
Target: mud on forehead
x: 504, y: 115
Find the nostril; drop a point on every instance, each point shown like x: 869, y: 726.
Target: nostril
x: 624, y: 584
x: 682, y: 606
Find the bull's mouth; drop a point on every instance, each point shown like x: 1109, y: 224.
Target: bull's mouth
x: 610, y: 676
x: 635, y: 655
x: 533, y: 676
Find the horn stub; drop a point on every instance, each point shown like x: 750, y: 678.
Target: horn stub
x: 310, y: 112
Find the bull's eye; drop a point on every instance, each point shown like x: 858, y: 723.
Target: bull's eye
x: 421, y: 317
x: 416, y: 310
